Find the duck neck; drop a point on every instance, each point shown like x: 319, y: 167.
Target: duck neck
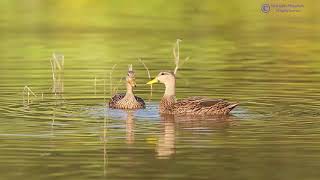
x: 169, y: 96
x: 129, y: 92
x: 170, y: 89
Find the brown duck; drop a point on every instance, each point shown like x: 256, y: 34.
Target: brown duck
x: 127, y: 100
x: 192, y: 105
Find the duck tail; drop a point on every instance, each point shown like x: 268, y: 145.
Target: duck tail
x: 231, y: 106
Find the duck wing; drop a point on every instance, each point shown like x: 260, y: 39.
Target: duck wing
x: 114, y: 99
x: 203, y: 106
x: 140, y: 101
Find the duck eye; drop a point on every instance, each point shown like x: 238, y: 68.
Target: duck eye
x: 162, y: 73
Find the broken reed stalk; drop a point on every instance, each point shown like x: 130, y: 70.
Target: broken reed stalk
x: 176, y: 55
x: 145, y: 66
x: 149, y: 76
x: 110, y: 78
x: 27, y: 91
x: 116, y: 88
x: 185, y: 60
x: 57, y: 68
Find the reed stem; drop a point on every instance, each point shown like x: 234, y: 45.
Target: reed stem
x: 57, y: 68
x: 27, y: 92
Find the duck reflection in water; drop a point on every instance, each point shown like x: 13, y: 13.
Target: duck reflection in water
x: 166, y: 142
x: 129, y: 128
x: 166, y: 146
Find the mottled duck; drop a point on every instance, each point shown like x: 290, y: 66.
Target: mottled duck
x: 189, y: 106
x: 127, y: 100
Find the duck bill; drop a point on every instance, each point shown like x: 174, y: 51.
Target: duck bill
x: 155, y: 80
x: 133, y: 84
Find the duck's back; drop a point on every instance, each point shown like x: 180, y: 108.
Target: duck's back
x: 203, y: 106
x: 115, y: 102
x: 114, y: 99
x: 140, y: 101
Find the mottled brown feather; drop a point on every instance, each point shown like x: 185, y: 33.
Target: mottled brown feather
x: 117, y: 102
x: 195, y: 106
x: 127, y: 100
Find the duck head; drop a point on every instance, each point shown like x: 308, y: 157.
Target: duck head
x: 131, y: 77
x: 168, y: 79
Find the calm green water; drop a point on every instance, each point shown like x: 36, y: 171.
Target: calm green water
x: 268, y: 62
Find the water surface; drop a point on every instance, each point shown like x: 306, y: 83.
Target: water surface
x: 268, y: 63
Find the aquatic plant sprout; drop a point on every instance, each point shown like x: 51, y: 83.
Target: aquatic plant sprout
x: 26, y: 92
x: 176, y: 55
x: 57, y: 68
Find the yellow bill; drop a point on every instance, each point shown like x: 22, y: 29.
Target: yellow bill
x: 155, y: 80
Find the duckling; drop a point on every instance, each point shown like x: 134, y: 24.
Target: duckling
x: 190, y: 106
x: 127, y: 100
